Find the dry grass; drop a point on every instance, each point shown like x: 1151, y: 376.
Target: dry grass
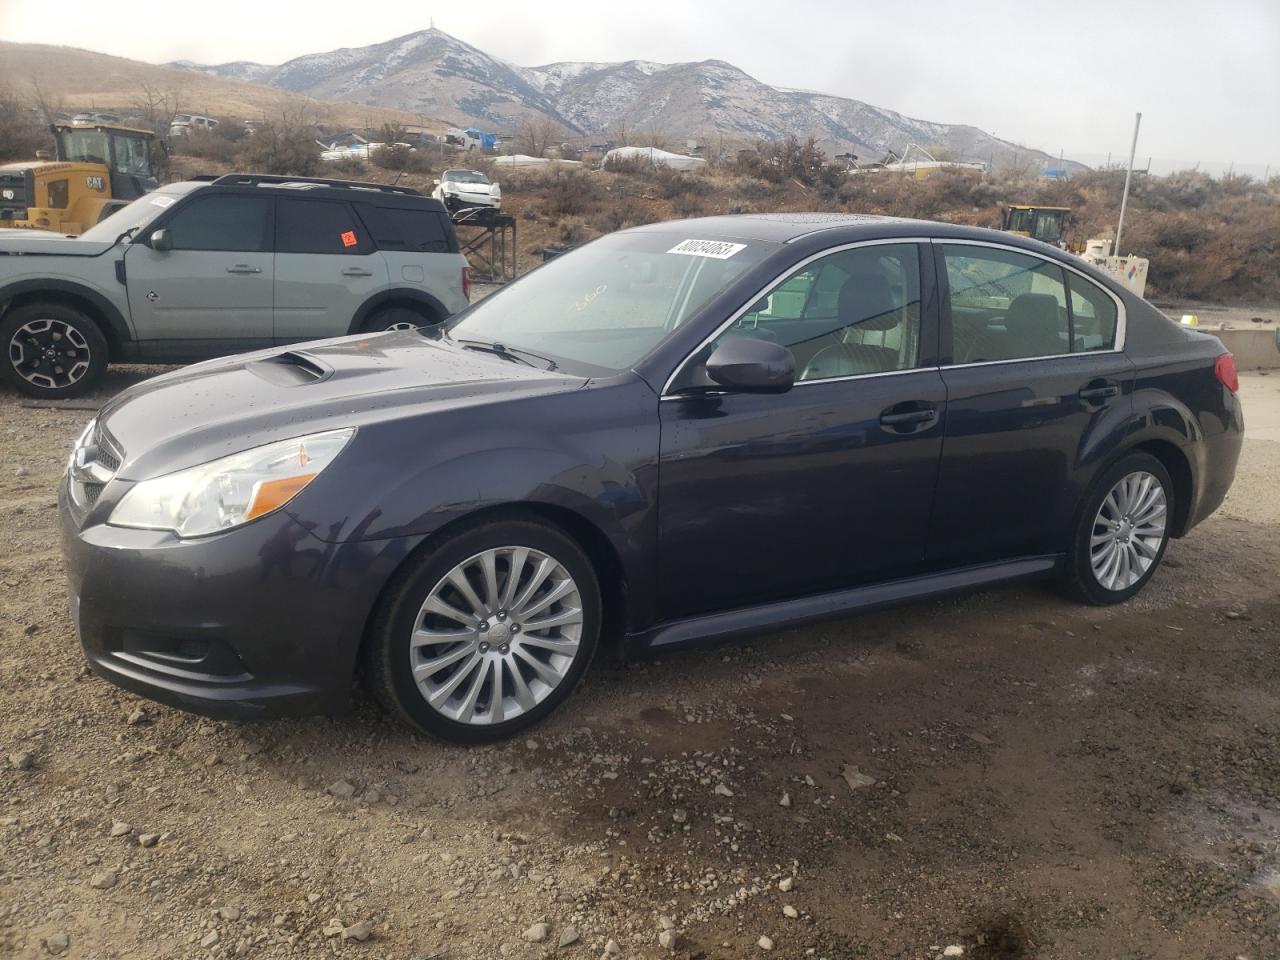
x: 82, y: 79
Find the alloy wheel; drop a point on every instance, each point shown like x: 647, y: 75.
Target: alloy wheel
x: 496, y: 635
x: 402, y: 325
x: 51, y: 354
x: 1128, y: 531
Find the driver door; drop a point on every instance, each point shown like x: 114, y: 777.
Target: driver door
x: 213, y: 292
x: 771, y: 496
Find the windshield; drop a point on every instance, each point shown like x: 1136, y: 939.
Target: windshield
x: 85, y: 146
x: 606, y: 305
x: 137, y: 214
x: 466, y: 176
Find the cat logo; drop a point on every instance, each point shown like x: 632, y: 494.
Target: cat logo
x: 94, y: 183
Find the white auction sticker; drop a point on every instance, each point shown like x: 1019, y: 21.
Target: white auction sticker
x: 162, y: 201
x: 716, y: 249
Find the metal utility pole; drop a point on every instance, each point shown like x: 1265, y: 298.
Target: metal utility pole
x: 1128, y: 175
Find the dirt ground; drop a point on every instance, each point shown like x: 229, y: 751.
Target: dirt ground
x: 1048, y: 780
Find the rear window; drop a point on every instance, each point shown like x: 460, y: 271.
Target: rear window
x: 318, y: 226
x: 413, y: 231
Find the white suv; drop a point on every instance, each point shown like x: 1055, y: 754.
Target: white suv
x: 206, y: 268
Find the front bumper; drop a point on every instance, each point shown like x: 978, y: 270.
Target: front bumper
x: 262, y: 621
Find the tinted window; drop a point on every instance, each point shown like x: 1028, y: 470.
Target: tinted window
x: 1005, y: 305
x: 317, y: 226
x: 221, y: 223
x: 1093, y: 315
x: 415, y: 231
x: 851, y: 313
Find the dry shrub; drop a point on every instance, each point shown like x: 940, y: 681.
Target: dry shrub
x: 282, y: 147
x: 21, y: 134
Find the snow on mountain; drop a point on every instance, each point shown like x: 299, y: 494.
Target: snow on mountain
x: 435, y: 74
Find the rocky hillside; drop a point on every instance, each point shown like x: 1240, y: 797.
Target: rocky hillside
x: 435, y: 74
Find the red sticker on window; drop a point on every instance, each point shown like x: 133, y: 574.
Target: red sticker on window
x: 349, y: 238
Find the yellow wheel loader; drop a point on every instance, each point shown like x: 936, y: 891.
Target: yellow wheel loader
x: 98, y: 169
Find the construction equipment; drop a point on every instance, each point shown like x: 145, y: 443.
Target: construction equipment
x: 98, y: 169
x: 1040, y: 223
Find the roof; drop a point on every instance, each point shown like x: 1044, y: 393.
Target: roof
x: 1037, y: 206
x: 778, y: 227
x: 113, y: 127
x: 847, y: 228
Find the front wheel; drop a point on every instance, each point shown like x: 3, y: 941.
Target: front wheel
x: 52, y: 351
x: 1122, y: 532
x: 486, y: 634
x: 395, y: 318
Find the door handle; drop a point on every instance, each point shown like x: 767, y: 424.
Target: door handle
x: 899, y: 420
x: 1099, y: 393
x: 357, y: 272
x: 243, y: 268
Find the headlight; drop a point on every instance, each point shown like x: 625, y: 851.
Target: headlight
x: 229, y: 492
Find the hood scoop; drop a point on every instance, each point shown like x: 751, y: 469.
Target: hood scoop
x: 293, y: 368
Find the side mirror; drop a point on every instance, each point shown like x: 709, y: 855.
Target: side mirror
x: 160, y: 241
x: 753, y: 366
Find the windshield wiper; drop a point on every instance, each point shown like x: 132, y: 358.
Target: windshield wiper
x: 127, y: 235
x: 507, y: 353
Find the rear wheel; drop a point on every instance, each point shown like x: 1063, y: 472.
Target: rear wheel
x: 1122, y: 532
x: 486, y: 634
x: 51, y: 351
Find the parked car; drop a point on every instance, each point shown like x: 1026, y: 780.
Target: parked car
x: 205, y: 268
x: 677, y: 433
x: 185, y: 124
x: 463, y: 189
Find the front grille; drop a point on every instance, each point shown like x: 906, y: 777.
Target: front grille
x: 13, y: 196
x: 93, y: 465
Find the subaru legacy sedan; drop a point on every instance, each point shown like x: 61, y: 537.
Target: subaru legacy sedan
x: 679, y: 433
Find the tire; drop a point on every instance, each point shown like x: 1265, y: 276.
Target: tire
x: 1130, y: 505
x: 495, y: 649
x: 395, y: 318
x: 51, y: 351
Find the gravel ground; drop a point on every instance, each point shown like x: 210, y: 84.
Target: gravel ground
x: 1003, y: 774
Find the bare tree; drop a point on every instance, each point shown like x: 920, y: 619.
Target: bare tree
x: 21, y: 133
x: 537, y: 134
x: 46, y: 104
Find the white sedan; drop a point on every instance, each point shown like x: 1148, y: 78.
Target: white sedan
x: 460, y: 189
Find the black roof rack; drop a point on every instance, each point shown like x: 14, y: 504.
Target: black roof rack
x: 255, y: 179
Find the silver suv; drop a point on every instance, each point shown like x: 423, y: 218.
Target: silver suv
x: 205, y: 268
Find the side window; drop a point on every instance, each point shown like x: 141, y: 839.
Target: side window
x: 1005, y: 305
x: 1093, y: 315
x: 318, y: 226
x: 406, y: 230
x: 222, y: 223
x: 848, y: 314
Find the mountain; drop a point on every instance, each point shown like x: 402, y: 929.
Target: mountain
x: 434, y: 74
x: 81, y: 79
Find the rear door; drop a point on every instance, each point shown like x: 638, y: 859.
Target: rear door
x: 421, y: 251
x: 326, y: 266
x: 212, y: 292
x: 1036, y: 383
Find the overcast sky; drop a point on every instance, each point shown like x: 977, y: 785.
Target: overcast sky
x: 1058, y: 76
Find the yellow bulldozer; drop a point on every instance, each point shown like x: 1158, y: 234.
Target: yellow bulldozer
x: 97, y: 170
x: 1040, y: 223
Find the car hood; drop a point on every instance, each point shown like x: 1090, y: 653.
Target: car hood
x: 461, y: 187
x: 221, y: 407
x: 21, y: 241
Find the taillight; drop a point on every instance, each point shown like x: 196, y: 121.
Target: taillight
x: 1224, y: 368
x: 466, y: 286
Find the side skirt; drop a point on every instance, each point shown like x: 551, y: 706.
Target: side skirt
x: 791, y: 613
